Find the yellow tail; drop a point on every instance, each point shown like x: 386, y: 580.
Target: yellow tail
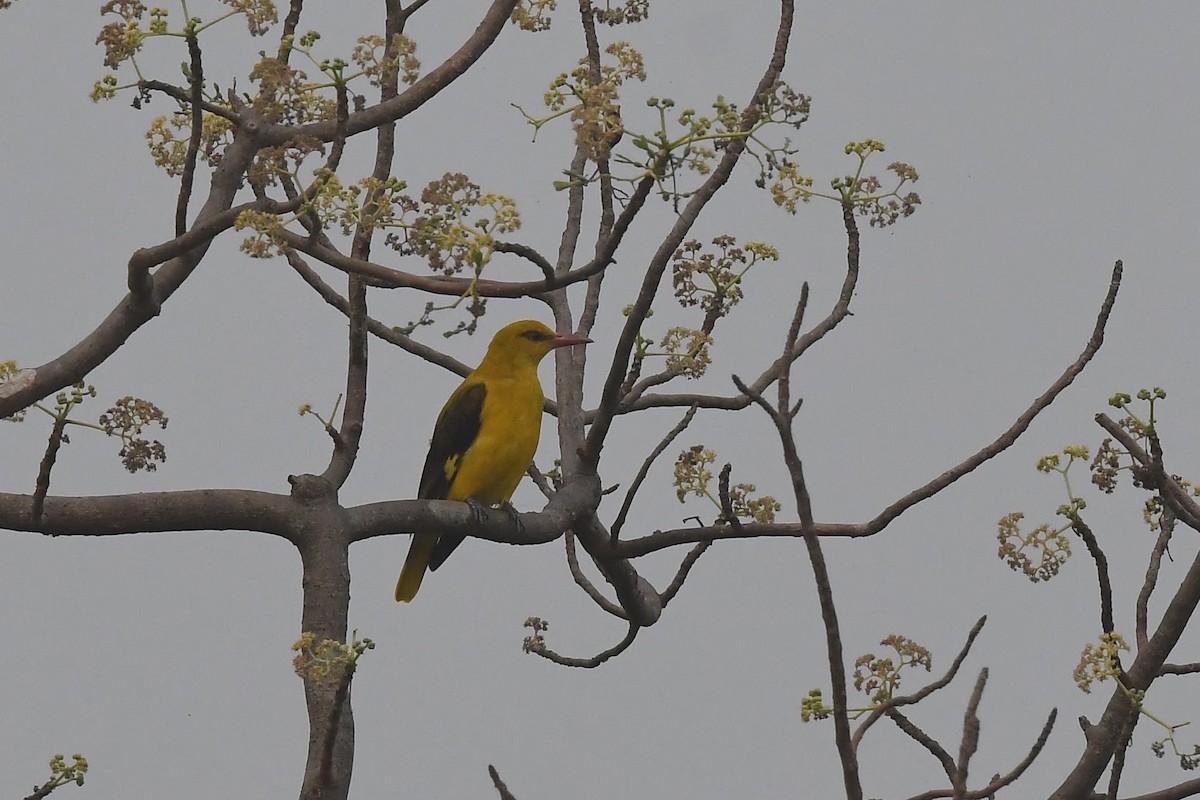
x: 414, y: 566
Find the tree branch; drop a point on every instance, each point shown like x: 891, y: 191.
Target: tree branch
x: 919, y: 695
x: 594, y: 661
x: 151, y: 512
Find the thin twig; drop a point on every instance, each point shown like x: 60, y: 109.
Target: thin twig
x: 594, y: 661
x: 925, y: 740
x: 529, y: 254
x: 1180, y: 669
x: 645, y: 470
x: 970, y: 737
x: 582, y: 580
x: 924, y: 691
x: 505, y: 794
x: 681, y: 574
x: 1000, y: 781
x: 1093, y: 545
x: 1165, y: 530
x: 196, y: 81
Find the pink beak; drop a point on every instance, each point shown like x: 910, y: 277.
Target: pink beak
x: 568, y: 339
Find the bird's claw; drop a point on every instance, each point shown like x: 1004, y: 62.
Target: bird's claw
x: 516, y: 516
x: 478, y: 512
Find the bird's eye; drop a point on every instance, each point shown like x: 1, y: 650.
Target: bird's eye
x: 535, y: 336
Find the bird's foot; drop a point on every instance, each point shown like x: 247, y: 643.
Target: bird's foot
x: 478, y: 512
x: 516, y: 516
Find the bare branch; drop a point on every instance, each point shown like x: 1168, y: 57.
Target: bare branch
x: 529, y: 254
x: 196, y: 82
x: 685, y: 567
x: 1006, y: 439
x: 42, y: 486
x: 970, y: 737
x: 1180, y: 669
x: 1177, y: 792
x: 505, y: 794
x: 150, y: 512
x: 594, y: 661
x: 640, y: 478
x: 1093, y: 545
x: 1165, y: 530
x: 576, y: 499
x: 925, y: 740
x: 582, y: 581
x: 137, y: 308
x: 1000, y: 781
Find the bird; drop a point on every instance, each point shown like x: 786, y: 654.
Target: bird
x: 484, y: 439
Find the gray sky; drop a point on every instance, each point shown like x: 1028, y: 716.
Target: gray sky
x: 1051, y: 140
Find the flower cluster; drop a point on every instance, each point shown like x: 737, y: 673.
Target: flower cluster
x: 1040, y: 554
x: 693, y: 476
x: 535, y: 642
x: 125, y: 420
x: 879, y: 677
x: 630, y: 11
x: 327, y: 661
x: 863, y: 192
x: 533, y: 15
x: 813, y: 707
x: 713, y: 280
x: 1101, y: 661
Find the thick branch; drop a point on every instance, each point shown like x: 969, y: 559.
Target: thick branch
x: 1105, y: 737
x: 150, y: 512
x: 131, y: 313
x: 574, y: 500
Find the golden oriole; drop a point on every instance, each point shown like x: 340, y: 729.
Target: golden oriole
x: 484, y: 439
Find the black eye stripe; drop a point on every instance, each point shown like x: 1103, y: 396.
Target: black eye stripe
x: 535, y: 336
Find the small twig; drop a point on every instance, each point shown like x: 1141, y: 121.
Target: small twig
x: 923, y: 692
x: 539, y: 480
x: 196, y: 79
x: 645, y: 470
x: 505, y: 794
x: 1000, y: 781
x: 1180, y: 669
x: 42, y: 487
x: 727, y: 514
x: 582, y: 581
x: 1165, y: 530
x: 529, y: 254
x: 924, y: 739
x: 970, y: 737
x: 684, y: 568
x: 594, y: 661
x: 1093, y: 545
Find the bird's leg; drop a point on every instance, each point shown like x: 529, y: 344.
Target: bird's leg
x: 516, y: 516
x: 478, y: 512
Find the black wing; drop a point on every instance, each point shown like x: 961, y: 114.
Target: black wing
x: 455, y: 431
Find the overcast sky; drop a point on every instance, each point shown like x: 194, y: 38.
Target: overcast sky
x: 1051, y: 139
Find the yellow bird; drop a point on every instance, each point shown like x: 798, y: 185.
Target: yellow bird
x: 484, y: 439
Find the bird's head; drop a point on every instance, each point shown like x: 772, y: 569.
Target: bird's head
x: 528, y: 341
